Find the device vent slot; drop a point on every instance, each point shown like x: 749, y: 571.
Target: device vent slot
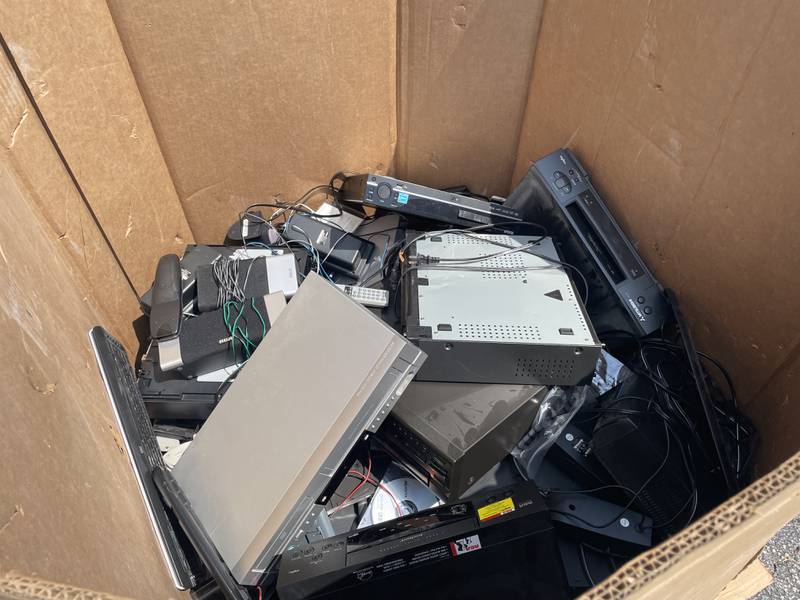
x: 479, y: 240
x: 544, y: 368
x: 493, y: 332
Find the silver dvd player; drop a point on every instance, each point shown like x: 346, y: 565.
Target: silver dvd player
x: 326, y: 373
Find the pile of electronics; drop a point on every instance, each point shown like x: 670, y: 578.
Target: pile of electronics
x: 416, y: 392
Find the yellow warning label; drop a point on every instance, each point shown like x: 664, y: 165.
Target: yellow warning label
x: 496, y: 509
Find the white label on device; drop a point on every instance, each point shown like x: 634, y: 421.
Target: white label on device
x: 464, y: 545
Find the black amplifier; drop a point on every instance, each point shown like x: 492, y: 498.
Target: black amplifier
x: 497, y: 545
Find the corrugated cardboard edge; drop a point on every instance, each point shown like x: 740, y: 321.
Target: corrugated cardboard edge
x: 692, y: 564
x: 18, y: 587
x: 747, y: 583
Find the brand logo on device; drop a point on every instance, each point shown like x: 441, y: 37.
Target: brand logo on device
x: 464, y: 545
x: 635, y: 309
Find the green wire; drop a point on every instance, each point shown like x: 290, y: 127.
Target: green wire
x: 232, y: 329
x: 235, y: 329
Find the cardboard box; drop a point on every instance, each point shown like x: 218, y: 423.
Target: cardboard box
x: 132, y: 127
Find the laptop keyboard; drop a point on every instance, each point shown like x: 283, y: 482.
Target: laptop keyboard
x: 147, y: 444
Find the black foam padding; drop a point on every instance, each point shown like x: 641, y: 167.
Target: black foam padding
x: 252, y: 271
x: 206, y: 342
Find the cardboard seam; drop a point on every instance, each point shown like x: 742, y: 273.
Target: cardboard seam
x: 400, y: 155
x: 525, y: 99
x: 150, y: 119
x: 42, y: 220
x: 51, y: 137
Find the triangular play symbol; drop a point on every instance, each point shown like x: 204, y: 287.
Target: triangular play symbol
x: 555, y: 294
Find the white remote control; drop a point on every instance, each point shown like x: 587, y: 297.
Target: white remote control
x: 366, y: 296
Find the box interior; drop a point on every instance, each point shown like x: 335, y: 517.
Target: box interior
x: 133, y: 127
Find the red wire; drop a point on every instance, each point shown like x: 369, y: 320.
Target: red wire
x: 258, y: 587
x: 376, y: 483
x: 358, y: 487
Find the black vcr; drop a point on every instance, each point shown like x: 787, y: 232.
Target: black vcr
x: 557, y: 193
x: 399, y: 196
x: 497, y: 545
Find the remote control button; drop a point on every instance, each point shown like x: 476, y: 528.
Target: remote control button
x: 648, y: 310
x: 384, y: 191
x: 640, y: 299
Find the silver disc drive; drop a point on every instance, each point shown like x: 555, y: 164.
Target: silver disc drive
x: 326, y: 373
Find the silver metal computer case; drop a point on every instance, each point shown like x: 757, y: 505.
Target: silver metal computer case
x: 511, y: 319
x: 327, y: 372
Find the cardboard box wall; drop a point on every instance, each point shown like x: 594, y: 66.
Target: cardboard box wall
x: 131, y: 128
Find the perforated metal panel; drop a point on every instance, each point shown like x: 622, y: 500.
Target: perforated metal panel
x: 492, y: 332
x: 544, y: 368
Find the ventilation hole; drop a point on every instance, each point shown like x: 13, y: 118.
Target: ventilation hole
x: 544, y: 368
x: 498, y: 332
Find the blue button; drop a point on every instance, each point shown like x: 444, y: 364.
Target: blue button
x: 402, y: 198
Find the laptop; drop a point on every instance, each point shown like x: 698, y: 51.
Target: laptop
x: 141, y: 447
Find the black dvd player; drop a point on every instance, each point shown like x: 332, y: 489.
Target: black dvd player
x: 497, y: 545
x: 557, y: 191
x: 393, y: 194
